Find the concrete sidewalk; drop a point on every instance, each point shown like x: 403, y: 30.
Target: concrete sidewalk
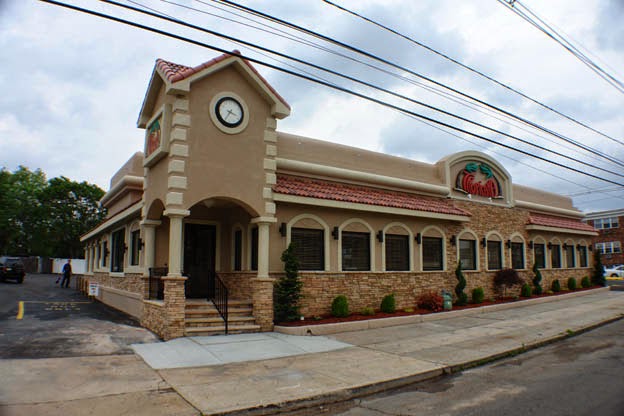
x: 376, y: 360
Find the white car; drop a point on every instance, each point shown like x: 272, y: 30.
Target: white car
x: 615, y: 271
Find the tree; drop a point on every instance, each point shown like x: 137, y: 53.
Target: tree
x: 288, y: 288
x: 598, y: 273
x: 537, y: 279
x: 505, y: 279
x: 462, y: 298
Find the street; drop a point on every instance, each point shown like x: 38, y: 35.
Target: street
x: 582, y: 375
x: 61, y: 322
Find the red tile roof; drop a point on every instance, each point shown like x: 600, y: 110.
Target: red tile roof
x: 559, y: 222
x: 176, y: 72
x: 314, y: 188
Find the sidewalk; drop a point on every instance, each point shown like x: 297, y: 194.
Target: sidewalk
x: 373, y: 360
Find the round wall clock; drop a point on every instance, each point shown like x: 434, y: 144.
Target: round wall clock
x: 229, y: 112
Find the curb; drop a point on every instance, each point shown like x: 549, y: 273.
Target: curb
x: 328, y: 329
x: 308, y: 404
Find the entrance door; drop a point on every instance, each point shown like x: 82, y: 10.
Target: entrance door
x: 199, y: 259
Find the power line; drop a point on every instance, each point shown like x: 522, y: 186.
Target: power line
x: 455, y: 61
x: 402, y: 68
x: 319, y: 82
x: 352, y: 79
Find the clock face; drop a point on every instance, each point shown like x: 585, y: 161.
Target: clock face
x: 229, y: 112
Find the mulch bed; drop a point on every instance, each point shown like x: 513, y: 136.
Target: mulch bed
x: 328, y: 319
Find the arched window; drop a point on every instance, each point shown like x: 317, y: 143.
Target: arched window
x: 468, y: 253
x: 516, y: 248
x: 397, y: 244
x: 432, y: 249
x: 310, y: 235
x: 555, y: 254
x: 539, y: 252
x: 356, y: 246
x: 494, y: 246
x: 570, y: 255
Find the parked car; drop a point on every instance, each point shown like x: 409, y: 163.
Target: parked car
x: 12, y: 268
x: 614, y: 271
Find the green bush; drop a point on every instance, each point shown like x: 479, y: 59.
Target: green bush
x: 431, y: 301
x: 388, y: 304
x: 287, y: 290
x: 526, y: 291
x: 536, y: 280
x: 462, y: 298
x: 585, y: 283
x: 477, y: 295
x: 556, y: 286
x: 598, y: 273
x: 368, y: 311
x: 340, y: 307
x: 572, y: 283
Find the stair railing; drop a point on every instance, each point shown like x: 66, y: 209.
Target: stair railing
x: 156, y: 288
x: 218, y: 294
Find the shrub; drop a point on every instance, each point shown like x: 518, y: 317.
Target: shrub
x: 388, y: 304
x: 572, y: 283
x: 585, y: 283
x: 537, y: 279
x: 368, y: 311
x: 506, y: 278
x: 526, y: 291
x: 462, y: 298
x: 556, y: 286
x: 340, y: 307
x: 598, y: 274
x: 288, y: 288
x: 408, y: 310
x: 431, y: 301
x: 477, y: 295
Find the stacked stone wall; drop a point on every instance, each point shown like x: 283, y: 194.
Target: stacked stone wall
x: 131, y: 282
x: 239, y: 284
x: 154, y: 317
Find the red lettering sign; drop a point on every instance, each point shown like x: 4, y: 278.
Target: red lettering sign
x: 467, y: 182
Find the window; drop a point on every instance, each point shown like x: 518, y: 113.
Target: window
x: 355, y: 251
x: 104, y: 253
x: 118, y: 249
x: 397, y: 252
x: 569, y: 254
x: 254, y: 248
x: 98, y: 255
x: 583, y: 256
x: 539, y: 252
x: 468, y: 254
x: 555, y: 256
x: 494, y: 253
x: 606, y: 223
x: 309, y: 248
x: 238, y: 250
x: 432, y: 253
x: 609, y: 247
x: 517, y: 256
x: 135, y: 247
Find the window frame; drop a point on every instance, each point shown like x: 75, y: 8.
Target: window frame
x: 543, y: 256
x: 354, y: 235
x: 441, y: 252
x: 473, y: 243
x: 135, y: 248
x: 499, y: 246
x: 118, y: 250
x: 297, y: 233
x: 555, y: 248
x: 405, y: 260
x: 583, y: 258
x: 570, y: 249
x: 522, y: 256
x: 237, y: 249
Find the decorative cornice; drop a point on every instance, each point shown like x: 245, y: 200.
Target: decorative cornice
x: 128, y: 181
x: 549, y: 209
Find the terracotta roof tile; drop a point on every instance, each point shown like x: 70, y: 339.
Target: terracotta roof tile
x: 314, y: 188
x: 559, y: 222
x: 176, y: 72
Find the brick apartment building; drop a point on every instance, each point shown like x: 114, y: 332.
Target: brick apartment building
x: 610, y: 238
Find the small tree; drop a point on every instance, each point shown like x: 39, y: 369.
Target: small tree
x: 505, y: 279
x: 388, y: 304
x: 462, y: 298
x: 537, y: 279
x: 288, y: 288
x: 340, y: 307
x: 598, y: 274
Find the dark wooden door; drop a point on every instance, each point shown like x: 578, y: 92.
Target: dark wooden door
x: 199, y: 258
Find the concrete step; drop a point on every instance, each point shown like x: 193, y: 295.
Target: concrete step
x: 212, y: 312
x: 218, y: 321
x: 220, y: 330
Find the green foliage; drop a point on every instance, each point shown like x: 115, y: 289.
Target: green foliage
x: 537, y: 287
x: 477, y: 295
x: 288, y: 288
x: 572, y: 283
x: 462, y: 298
x: 368, y: 311
x: 585, y: 283
x: 340, y: 307
x: 598, y: 273
x: 46, y: 218
x: 431, y: 301
x: 526, y: 291
x: 506, y: 278
x: 556, y: 286
x: 388, y: 304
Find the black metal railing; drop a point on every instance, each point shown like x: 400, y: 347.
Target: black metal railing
x: 218, y: 294
x: 156, y: 285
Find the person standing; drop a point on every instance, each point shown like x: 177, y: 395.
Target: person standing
x: 67, y: 271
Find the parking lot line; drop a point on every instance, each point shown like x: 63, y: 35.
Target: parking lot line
x: 20, y: 310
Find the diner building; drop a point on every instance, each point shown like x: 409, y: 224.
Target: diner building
x: 218, y: 193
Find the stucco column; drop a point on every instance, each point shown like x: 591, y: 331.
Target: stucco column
x: 149, y: 244
x: 176, y: 218
x: 262, y: 284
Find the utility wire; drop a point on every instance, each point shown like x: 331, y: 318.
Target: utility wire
x: 319, y: 82
x: 358, y: 81
x: 475, y: 71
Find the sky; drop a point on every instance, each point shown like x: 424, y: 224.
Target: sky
x: 73, y: 84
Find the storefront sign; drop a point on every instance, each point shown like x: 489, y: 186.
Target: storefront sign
x: 94, y: 289
x: 478, y: 179
x: 153, y: 137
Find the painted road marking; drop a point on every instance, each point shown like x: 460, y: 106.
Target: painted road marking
x: 20, y: 310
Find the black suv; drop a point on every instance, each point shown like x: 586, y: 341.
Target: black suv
x: 12, y: 268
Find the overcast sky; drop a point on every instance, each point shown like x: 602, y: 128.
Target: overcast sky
x: 72, y: 84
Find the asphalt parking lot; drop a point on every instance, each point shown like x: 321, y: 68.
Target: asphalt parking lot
x: 59, y: 322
